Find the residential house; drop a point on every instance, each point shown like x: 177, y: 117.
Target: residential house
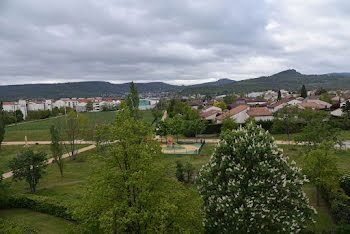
x: 313, y: 105
x: 239, y: 114
x: 195, y: 104
x: 280, y: 104
x: 256, y: 102
x: 210, y: 115
x: 260, y: 113
x: 210, y: 108
x: 320, y: 102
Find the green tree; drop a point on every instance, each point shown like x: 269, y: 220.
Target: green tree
x: 56, y: 148
x: 89, y: 106
x: 28, y: 165
x: 346, y: 108
x: 4, y: 190
x: 190, y: 114
x: 303, y: 92
x: 229, y: 124
x: 2, y: 124
x: 175, y: 126
x: 317, y: 129
x: 73, y: 128
x: 133, y: 101
x: 180, y: 171
x: 279, y: 97
x: 221, y: 104
x: 229, y: 99
x: 320, y: 166
x: 325, y: 97
x: 286, y: 118
x: 189, y: 170
x: 130, y: 193
x: 249, y: 186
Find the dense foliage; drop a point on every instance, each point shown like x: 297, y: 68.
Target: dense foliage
x: 249, y: 186
x: 131, y: 193
x: 2, y: 124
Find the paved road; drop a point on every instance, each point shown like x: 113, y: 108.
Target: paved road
x: 9, y: 174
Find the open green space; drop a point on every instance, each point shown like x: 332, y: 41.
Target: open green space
x: 70, y: 188
x: 343, y: 134
x: 8, y: 152
x: 39, y: 131
x: 42, y: 223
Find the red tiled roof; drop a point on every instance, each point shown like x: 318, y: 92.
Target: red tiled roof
x: 312, y: 105
x: 233, y: 111
x: 259, y: 111
x: 209, y: 113
x: 284, y: 100
x: 8, y: 103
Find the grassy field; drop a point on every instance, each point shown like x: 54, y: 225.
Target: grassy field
x: 8, y: 152
x: 34, y: 220
x: 70, y: 188
x: 39, y: 131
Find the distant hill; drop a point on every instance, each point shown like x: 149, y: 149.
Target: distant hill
x: 78, y: 89
x: 340, y: 74
x: 289, y: 80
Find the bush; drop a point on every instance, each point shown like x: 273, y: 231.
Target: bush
x: 180, y: 171
x: 213, y: 129
x: 338, y: 202
x: 344, y: 183
x: 267, y: 125
x: 39, y: 204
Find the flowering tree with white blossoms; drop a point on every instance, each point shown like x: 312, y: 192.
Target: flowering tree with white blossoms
x: 249, y: 186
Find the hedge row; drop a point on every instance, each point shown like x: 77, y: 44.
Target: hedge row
x: 37, y: 203
x: 339, y: 204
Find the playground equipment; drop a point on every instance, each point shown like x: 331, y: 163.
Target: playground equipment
x: 170, y: 142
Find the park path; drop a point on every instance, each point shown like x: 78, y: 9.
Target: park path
x: 44, y: 142
x: 165, y: 115
x: 50, y: 160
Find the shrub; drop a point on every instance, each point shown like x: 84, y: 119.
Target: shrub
x: 344, y: 183
x: 180, y: 171
x: 212, y: 129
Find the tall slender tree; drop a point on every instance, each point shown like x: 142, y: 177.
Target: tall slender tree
x: 303, y: 92
x: 279, y: 97
x: 133, y: 101
x: 2, y: 124
x: 56, y: 148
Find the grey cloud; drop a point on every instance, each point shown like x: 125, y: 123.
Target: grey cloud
x: 179, y: 42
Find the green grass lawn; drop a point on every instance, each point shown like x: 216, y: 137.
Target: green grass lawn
x: 8, y: 152
x: 70, y: 188
x: 344, y: 134
x: 42, y: 223
x: 39, y: 131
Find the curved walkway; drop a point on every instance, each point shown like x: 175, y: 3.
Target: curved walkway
x: 50, y: 160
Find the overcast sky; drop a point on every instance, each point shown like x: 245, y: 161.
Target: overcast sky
x: 178, y: 42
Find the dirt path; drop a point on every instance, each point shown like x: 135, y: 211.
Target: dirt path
x: 9, y: 174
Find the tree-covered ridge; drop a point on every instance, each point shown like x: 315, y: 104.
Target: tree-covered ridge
x: 290, y: 79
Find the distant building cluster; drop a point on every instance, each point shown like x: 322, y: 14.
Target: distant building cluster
x: 262, y: 106
x: 78, y: 104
